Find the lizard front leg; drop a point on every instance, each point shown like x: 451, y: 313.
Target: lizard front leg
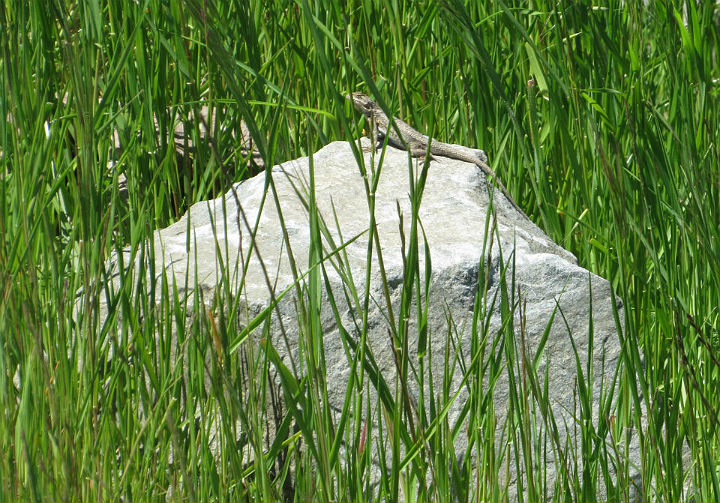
x: 378, y: 135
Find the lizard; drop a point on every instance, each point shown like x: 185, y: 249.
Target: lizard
x: 402, y: 135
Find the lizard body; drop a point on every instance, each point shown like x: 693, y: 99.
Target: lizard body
x: 402, y: 135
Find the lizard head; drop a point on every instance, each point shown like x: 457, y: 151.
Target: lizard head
x: 362, y: 102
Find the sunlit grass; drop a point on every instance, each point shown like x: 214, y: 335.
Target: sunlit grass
x: 601, y: 120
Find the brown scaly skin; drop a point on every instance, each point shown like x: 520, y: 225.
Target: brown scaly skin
x: 401, y: 135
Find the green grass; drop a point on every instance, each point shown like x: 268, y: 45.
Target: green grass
x: 601, y: 120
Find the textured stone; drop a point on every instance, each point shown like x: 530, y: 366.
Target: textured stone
x: 453, y: 215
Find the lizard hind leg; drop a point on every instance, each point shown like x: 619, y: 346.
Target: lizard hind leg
x: 419, y: 152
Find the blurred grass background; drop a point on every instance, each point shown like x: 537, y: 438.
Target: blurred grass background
x: 601, y: 118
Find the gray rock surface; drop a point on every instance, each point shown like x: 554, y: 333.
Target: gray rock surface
x: 453, y: 215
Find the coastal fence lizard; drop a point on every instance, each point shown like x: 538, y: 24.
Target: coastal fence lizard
x: 403, y: 136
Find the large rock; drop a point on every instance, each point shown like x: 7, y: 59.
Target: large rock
x: 453, y: 214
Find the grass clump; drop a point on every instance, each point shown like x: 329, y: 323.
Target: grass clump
x: 600, y: 119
